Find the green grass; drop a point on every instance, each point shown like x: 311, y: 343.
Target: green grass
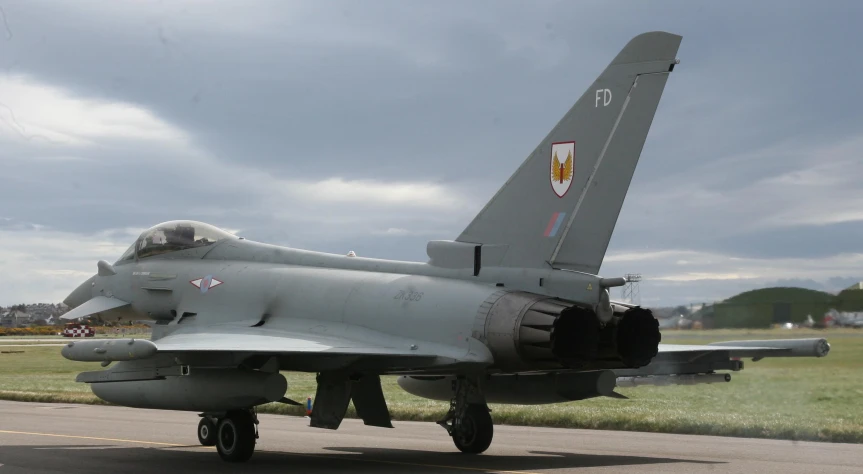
x: 4, y: 340
x: 793, y: 398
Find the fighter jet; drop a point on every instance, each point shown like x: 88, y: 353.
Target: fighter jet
x: 675, y: 322
x: 511, y: 311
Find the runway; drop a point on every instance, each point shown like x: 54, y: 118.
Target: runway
x: 45, y: 438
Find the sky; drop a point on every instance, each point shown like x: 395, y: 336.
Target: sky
x: 378, y: 126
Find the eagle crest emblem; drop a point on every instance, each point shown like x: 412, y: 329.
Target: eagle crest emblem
x: 562, y: 167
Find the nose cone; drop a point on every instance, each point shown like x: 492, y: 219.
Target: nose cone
x: 82, y: 294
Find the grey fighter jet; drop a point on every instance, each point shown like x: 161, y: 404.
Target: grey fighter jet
x: 511, y: 311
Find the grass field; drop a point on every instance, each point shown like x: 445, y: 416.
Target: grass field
x: 802, y: 399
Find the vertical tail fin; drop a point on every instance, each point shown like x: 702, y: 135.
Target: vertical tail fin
x: 561, y: 205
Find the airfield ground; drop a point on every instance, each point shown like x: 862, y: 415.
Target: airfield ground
x: 42, y: 438
x: 799, y: 399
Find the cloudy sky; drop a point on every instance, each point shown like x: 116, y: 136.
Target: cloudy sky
x: 377, y: 126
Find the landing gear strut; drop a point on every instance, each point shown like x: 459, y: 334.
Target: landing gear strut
x: 234, y: 434
x: 468, y: 420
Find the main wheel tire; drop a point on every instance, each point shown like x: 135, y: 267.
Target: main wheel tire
x: 207, y: 432
x: 475, y: 430
x: 236, y: 437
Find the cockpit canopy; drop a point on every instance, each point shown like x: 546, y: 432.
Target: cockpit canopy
x: 174, y: 236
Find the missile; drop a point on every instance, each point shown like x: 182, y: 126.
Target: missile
x: 662, y: 380
x: 812, y: 347
x: 109, y: 350
x: 525, y: 389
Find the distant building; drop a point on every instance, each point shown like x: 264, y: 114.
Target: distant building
x: 851, y: 298
x: 26, y: 314
x: 15, y: 319
x: 765, y: 307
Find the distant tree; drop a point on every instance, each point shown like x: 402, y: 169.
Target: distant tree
x: 40, y: 322
x: 681, y: 310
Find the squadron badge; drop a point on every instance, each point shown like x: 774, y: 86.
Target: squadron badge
x: 562, y: 167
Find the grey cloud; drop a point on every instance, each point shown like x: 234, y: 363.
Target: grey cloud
x: 779, y: 201
x: 455, y: 94
x: 795, y: 241
x: 295, y: 105
x: 664, y: 293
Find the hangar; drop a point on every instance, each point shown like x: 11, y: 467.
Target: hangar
x: 767, y: 306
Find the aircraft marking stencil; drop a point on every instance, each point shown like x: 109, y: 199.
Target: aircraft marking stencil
x: 206, y: 283
x: 554, y: 224
x: 603, y: 96
x: 562, y: 167
x: 512, y: 311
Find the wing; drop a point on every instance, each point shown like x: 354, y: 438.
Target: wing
x: 319, y: 345
x: 679, y: 359
x: 555, y: 168
x: 814, y: 347
x: 250, y: 339
x: 567, y: 167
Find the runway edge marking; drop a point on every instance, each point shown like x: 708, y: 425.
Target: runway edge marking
x: 173, y: 445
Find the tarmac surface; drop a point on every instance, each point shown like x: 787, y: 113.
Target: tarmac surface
x: 46, y: 438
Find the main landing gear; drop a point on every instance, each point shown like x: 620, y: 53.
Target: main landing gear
x: 234, y: 434
x: 207, y: 431
x: 468, y: 420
